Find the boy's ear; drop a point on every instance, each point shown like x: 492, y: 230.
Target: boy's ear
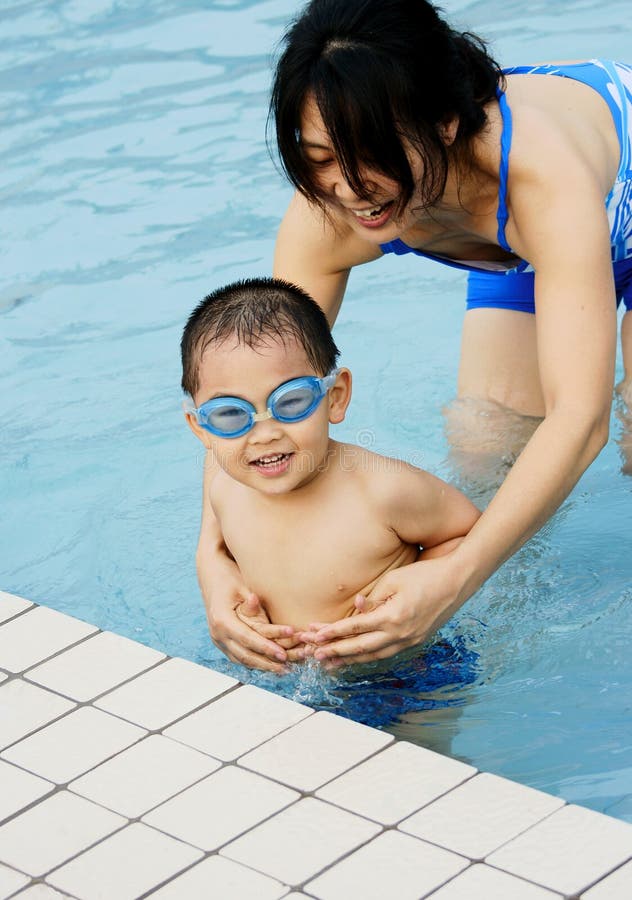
x: 197, y: 430
x: 339, y: 397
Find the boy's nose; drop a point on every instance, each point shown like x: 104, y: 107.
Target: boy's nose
x: 265, y: 430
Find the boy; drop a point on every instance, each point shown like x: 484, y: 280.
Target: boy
x: 312, y: 523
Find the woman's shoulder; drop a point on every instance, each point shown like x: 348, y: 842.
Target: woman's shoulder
x: 555, y: 122
x: 317, y: 251
x: 307, y: 229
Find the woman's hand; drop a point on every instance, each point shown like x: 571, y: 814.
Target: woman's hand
x: 405, y: 608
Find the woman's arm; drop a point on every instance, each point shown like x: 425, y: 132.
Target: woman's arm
x: 317, y: 254
x: 559, y: 223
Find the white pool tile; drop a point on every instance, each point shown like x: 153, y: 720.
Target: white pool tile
x: 25, y: 708
x: 40, y: 892
x: 52, y: 831
x: 124, y: 866
x: 95, y: 666
x: 171, y: 690
x: 300, y: 841
x: 31, y: 638
x: 69, y: 747
x: 19, y: 788
x: 568, y: 851
x: 617, y: 886
x: 11, y: 881
x: 238, y: 722
x: 221, y: 807
x: 403, y: 778
x: 10, y: 605
x: 481, y: 882
x: 315, y: 751
x: 480, y: 815
x: 535, y: 848
x: 392, y: 865
x: 223, y: 879
x: 141, y: 777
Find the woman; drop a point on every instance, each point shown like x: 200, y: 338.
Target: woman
x: 402, y: 135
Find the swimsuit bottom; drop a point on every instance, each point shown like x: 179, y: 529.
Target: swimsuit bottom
x: 515, y: 290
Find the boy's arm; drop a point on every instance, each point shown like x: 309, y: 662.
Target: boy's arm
x: 442, y: 549
x: 423, y: 509
x: 223, y: 591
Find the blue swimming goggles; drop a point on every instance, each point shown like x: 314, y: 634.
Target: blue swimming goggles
x: 293, y: 401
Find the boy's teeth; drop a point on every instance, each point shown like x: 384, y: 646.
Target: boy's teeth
x: 270, y: 460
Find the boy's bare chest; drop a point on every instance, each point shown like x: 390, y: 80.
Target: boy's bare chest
x: 307, y: 562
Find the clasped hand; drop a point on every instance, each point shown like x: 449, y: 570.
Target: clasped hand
x: 405, y: 607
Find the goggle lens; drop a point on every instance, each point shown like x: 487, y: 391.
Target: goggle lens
x: 295, y: 403
x: 228, y: 420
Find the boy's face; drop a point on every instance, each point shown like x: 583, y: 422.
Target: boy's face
x: 273, y: 457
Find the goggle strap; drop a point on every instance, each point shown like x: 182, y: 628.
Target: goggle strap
x: 260, y: 417
x: 188, y: 405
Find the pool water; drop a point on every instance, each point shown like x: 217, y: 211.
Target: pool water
x: 134, y: 179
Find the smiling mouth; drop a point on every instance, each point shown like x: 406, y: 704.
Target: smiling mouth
x: 270, y: 461
x: 374, y: 215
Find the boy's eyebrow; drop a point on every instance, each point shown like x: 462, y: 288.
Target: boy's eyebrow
x: 217, y: 394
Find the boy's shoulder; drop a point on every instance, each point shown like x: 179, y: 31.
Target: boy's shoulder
x: 355, y: 458
x: 383, y: 477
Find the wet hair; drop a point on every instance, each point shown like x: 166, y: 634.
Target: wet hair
x: 385, y: 74
x: 254, y: 311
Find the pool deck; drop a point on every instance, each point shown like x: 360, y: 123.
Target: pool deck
x: 125, y: 773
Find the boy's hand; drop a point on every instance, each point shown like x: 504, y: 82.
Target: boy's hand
x: 253, y: 614
x: 224, y: 591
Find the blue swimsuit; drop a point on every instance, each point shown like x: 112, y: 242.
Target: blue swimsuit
x: 491, y: 284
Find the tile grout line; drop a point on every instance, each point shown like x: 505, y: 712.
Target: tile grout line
x: 21, y: 672
x: 90, y: 700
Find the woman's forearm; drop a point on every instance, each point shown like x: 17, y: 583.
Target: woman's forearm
x: 558, y: 453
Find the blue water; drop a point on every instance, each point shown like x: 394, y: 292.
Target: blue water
x: 134, y: 178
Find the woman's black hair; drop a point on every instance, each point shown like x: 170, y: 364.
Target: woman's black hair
x: 386, y: 75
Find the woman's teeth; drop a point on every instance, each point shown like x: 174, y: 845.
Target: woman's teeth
x: 372, y: 213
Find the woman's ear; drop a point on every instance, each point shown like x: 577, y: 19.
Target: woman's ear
x: 339, y: 396
x: 197, y: 430
x: 448, y: 130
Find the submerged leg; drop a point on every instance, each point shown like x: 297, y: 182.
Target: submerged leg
x: 624, y: 389
x: 499, y: 403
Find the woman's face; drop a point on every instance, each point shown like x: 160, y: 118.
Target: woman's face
x: 379, y: 218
